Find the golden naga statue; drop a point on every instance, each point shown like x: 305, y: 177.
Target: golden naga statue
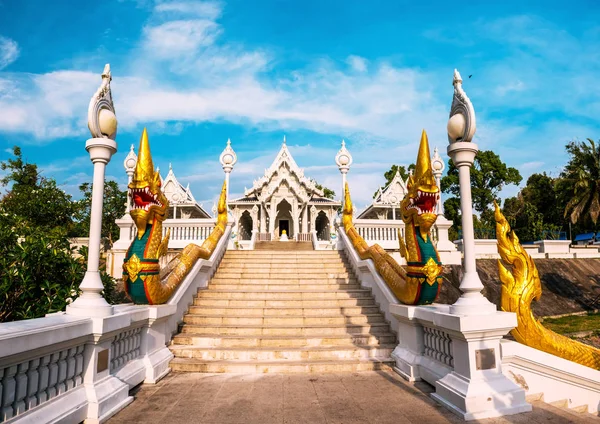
x: 420, y: 282
x: 145, y: 282
x: 519, y: 288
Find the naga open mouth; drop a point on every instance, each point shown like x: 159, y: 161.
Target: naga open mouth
x: 144, y: 199
x: 424, y: 202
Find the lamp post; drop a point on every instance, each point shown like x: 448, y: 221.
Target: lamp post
x: 438, y: 166
x: 343, y: 159
x: 228, y: 158
x: 129, y: 164
x: 102, y: 123
x: 461, y: 128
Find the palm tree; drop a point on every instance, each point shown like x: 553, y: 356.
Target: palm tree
x: 582, y: 181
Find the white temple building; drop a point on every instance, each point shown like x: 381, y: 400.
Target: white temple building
x: 386, y: 204
x: 182, y: 204
x: 284, y: 199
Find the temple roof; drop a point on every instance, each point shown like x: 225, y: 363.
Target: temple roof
x: 179, y: 195
x: 284, y: 171
x: 390, y: 195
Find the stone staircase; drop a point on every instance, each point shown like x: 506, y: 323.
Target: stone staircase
x: 283, y: 245
x: 283, y: 311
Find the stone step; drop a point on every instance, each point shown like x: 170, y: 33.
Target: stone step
x: 282, y: 255
x: 288, y: 354
x: 285, y: 287
x: 284, y: 269
x: 241, y: 303
x: 226, y: 311
x: 298, y: 279
x: 281, y: 281
x: 250, y: 260
x: 251, y: 367
x: 282, y: 321
x: 229, y: 341
x: 375, y: 328
x: 224, y: 273
x: 283, y: 295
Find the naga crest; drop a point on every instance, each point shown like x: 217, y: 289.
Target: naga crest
x: 148, y: 201
x: 423, y: 193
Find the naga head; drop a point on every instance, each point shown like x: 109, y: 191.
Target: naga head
x: 148, y: 201
x: 420, y: 201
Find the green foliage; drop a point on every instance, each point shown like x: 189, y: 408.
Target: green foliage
x: 33, y: 198
x: 38, y: 274
x: 488, y: 176
x: 581, y: 184
x: 114, y: 207
x: 327, y: 193
x: 389, y: 175
x: 536, y: 210
x: 38, y: 271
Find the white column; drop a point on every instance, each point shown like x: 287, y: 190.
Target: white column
x: 472, y: 302
x: 343, y: 159
x: 227, y: 185
x: 91, y: 303
x: 102, y: 123
x: 129, y: 164
x: 263, y: 219
x: 461, y: 128
x: 228, y: 159
x: 305, y: 219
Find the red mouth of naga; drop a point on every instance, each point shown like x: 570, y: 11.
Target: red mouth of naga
x: 143, y: 198
x: 424, y: 202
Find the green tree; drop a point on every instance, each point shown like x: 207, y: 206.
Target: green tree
x: 389, y: 175
x: 488, y: 176
x: 35, y: 199
x: 114, y: 207
x: 38, y: 271
x: 327, y: 193
x: 581, y: 182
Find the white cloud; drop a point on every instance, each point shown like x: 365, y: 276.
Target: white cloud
x: 357, y: 63
x: 181, y: 37
x: 206, y: 9
x: 9, y: 51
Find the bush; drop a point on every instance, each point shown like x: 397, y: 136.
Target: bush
x: 38, y: 273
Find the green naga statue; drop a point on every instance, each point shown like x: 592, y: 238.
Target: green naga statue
x: 420, y: 282
x: 145, y: 282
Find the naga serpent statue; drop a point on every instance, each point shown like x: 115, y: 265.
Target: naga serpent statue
x: 420, y: 282
x: 145, y: 282
x: 520, y: 287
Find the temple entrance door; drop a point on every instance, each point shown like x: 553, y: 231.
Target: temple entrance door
x: 284, y: 224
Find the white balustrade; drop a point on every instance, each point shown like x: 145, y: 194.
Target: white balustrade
x: 438, y: 345
x: 125, y: 347
x: 27, y: 384
x: 380, y: 231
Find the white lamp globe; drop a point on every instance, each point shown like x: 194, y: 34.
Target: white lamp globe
x: 456, y: 126
x: 227, y: 159
x: 108, y: 123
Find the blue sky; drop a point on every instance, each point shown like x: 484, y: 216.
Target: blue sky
x: 373, y: 73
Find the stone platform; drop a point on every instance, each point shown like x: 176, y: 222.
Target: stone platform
x: 377, y: 397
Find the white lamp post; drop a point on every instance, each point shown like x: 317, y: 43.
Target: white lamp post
x: 129, y: 164
x: 461, y: 128
x: 228, y: 158
x: 102, y: 123
x: 438, y: 166
x: 343, y: 159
